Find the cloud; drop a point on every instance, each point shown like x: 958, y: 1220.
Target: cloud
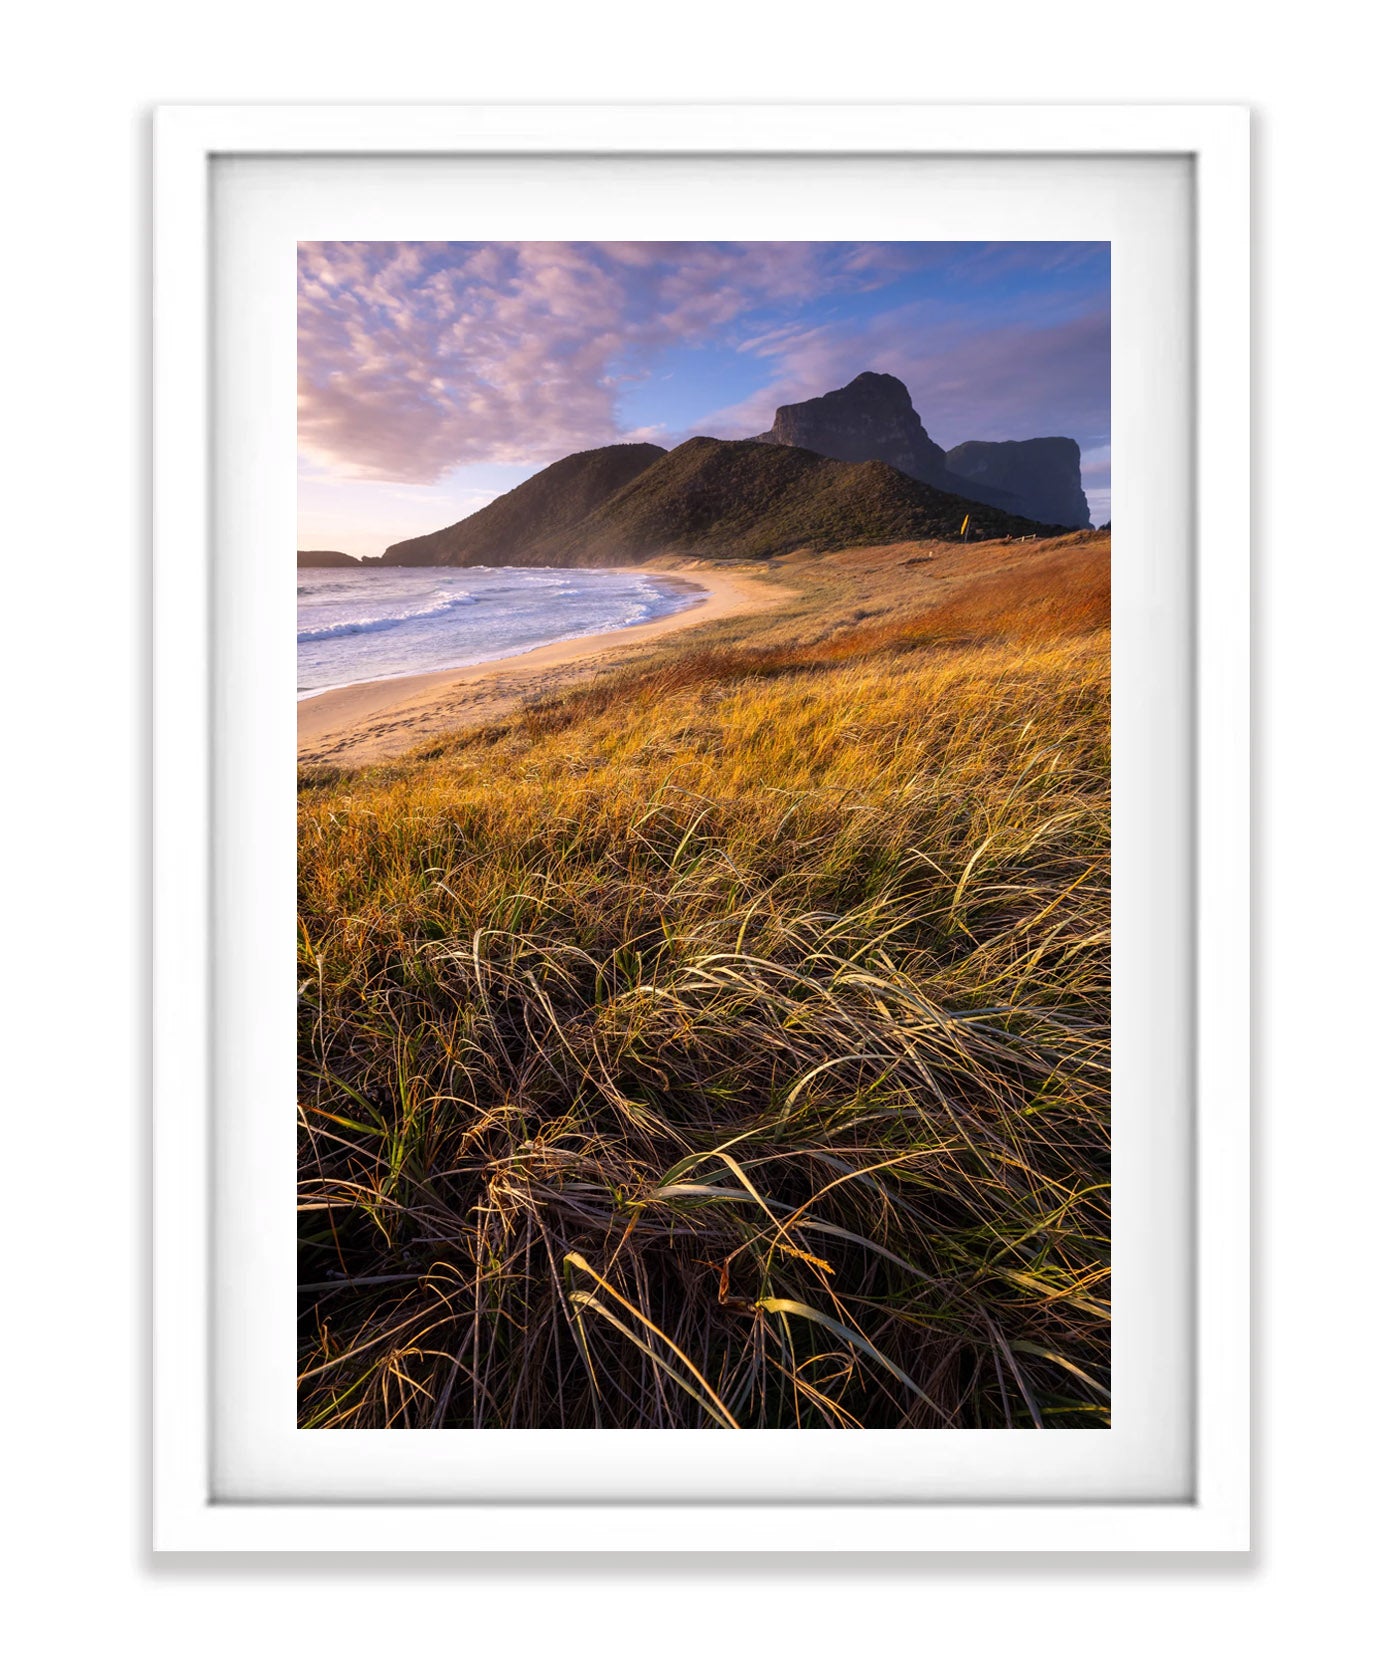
x: 967, y: 380
x: 413, y: 360
x: 418, y: 359
x: 1096, y: 470
x: 1095, y: 466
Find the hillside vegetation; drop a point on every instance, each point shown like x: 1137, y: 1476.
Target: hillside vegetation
x: 525, y: 522
x: 705, y: 498
x: 726, y: 1044
x: 715, y: 499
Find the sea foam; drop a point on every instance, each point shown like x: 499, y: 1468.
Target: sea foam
x: 357, y: 624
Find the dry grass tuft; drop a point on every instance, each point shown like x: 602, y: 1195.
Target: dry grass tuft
x: 725, y: 1045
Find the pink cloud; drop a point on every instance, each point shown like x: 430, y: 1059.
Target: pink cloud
x: 408, y: 369
x: 416, y: 359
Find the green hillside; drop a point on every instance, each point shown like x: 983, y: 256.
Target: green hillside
x: 634, y: 502
x: 521, y: 525
x: 718, y: 500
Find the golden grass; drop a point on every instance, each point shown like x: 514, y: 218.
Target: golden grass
x: 726, y: 1045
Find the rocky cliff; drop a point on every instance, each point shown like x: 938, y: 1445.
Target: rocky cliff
x: 871, y: 419
x: 874, y: 419
x: 1042, y: 473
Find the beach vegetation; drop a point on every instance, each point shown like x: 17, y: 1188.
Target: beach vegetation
x: 724, y: 1042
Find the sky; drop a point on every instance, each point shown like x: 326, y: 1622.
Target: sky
x: 433, y: 377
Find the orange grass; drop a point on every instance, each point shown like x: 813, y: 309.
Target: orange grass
x: 726, y: 1044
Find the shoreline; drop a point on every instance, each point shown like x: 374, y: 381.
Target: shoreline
x: 362, y: 723
x: 688, y: 585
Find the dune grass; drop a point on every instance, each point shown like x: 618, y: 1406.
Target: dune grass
x: 724, y: 1045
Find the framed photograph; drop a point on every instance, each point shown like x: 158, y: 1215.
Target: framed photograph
x: 702, y: 960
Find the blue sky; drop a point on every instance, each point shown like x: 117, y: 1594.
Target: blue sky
x: 433, y: 377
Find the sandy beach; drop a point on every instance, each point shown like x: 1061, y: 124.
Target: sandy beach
x: 366, y: 722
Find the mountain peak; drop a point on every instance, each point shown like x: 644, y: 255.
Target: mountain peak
x: 873, y: 419
x: 884, y: 382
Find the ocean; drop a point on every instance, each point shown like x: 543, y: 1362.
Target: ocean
x: 356, y: 624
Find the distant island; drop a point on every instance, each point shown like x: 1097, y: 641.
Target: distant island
x: 324, y: 557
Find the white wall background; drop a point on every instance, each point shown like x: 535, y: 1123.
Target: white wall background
x: 73, y: 326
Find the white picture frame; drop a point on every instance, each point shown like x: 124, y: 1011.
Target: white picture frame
x: 188, y: 1513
